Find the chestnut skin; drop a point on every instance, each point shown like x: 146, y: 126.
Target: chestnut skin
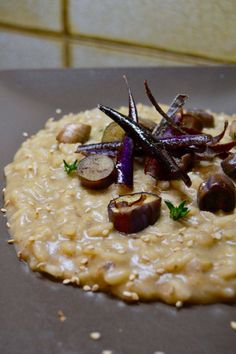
x: 134, y: 212
x: 216, y: 193
x: 96, y: 171
x: 229, y: 166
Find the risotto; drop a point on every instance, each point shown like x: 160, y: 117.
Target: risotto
x: 62, y: 228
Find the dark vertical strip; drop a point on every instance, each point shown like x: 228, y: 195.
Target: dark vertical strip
x: 65, y: 22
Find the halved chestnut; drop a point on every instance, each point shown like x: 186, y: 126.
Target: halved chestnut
x: 113, y: 132
x: 216, y: 193
x: 96, y: 171
x: 229, y: 166
x: 232, y: 130
x: 74, y: 133
x: 192, y: 122
x: 132, y: 213
x: 207, y: 119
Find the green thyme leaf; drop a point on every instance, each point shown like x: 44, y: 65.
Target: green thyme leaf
x: 177, y: 212
x: 70, y: 167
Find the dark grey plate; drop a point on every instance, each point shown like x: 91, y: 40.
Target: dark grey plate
x: 29, y: 303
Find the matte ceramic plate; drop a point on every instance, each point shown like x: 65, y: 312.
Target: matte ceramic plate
x: 29, y: 302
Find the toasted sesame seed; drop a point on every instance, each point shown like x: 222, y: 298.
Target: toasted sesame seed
x: 3, y: 190
x: 66, y: 281
x: 105, y: 232
x: 95, y: 335
x: 160, y: 271
x: 233, y: 325
x: 90, y: 247
x: 41, y: 264
x: 61, y: 316
x: 87, y: 210
x: 75, y: 280
x: 121, y: 251
x: 190, y: 243
x: 95, y: 287
x: 10, y: 241
x: 132, y: 277
x: 145, y: 238
x: 179, y: 304
x: 159, y: 353
x: 3, y: 210
x: 82, y: 268
x: 84, y: 260
x: 25, y: 134
x: 8, y: 225
x: 132, y: 295
x: 87, y: 288
x: 58, y: 111
x: 107, y: 352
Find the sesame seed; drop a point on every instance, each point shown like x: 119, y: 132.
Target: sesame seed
x: 25, y: 134
x: 107, y: 352
x: 121, y: 251
x: 82, y: 268
x: 84, y: 260
x: 132, y: 295
x: 66, y: 281
x: 179, y: 304
x: 87, y: 210
x: 190, y: 243
x: 58, y: 110
x: 8, y: 225
x: 145, y: 238
x: 75, y: 280
x: 3, y: 190
x: 95, y: 287
x: 95, y: 335
x: 160, y: 271
x: 159, y: 353
x: 87, y: 288
x: 132, y: 277
x: 90, y: 247
x: 233, y: 325
x: 3, y: 210
x: 61, y: 316
x: 10, y: 241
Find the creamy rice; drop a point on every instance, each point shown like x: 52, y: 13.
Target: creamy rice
x: 62, y: 229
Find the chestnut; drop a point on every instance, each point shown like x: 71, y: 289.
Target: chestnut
x: 132, y: 213
x: 229, y: 166
x: 74, y: 133
x: 216, y: 193
x: 232, y: 130
x: 207, y: 119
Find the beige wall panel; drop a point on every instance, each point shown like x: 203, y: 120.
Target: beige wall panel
x: 201, y: 27
x: 40, y: 14
x: 23, y: 51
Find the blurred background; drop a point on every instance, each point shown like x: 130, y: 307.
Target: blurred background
x: 106, y: 33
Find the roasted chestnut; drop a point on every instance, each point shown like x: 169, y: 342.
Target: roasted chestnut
x: 229, y: 166
x: 147, y: 123
x: 192, y: 122
x: 232, y: 130
x: 96, y: 171
x: 74, y: 133
x: 131, y: 213
x: 207, y: 119
x: 216, y: 193
x: 113, y: 132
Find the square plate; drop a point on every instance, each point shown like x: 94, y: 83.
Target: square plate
x: 29, y: 302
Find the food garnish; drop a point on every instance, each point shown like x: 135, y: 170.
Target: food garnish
x: 70, y: 167
x: 216, y: 193
x: 229, y: 166
x: 177, y: 212
x: 132, y: 213
x: 169, y: 149
x: 232, y: 130
x: 96, y: 171
x: 74, y: 133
